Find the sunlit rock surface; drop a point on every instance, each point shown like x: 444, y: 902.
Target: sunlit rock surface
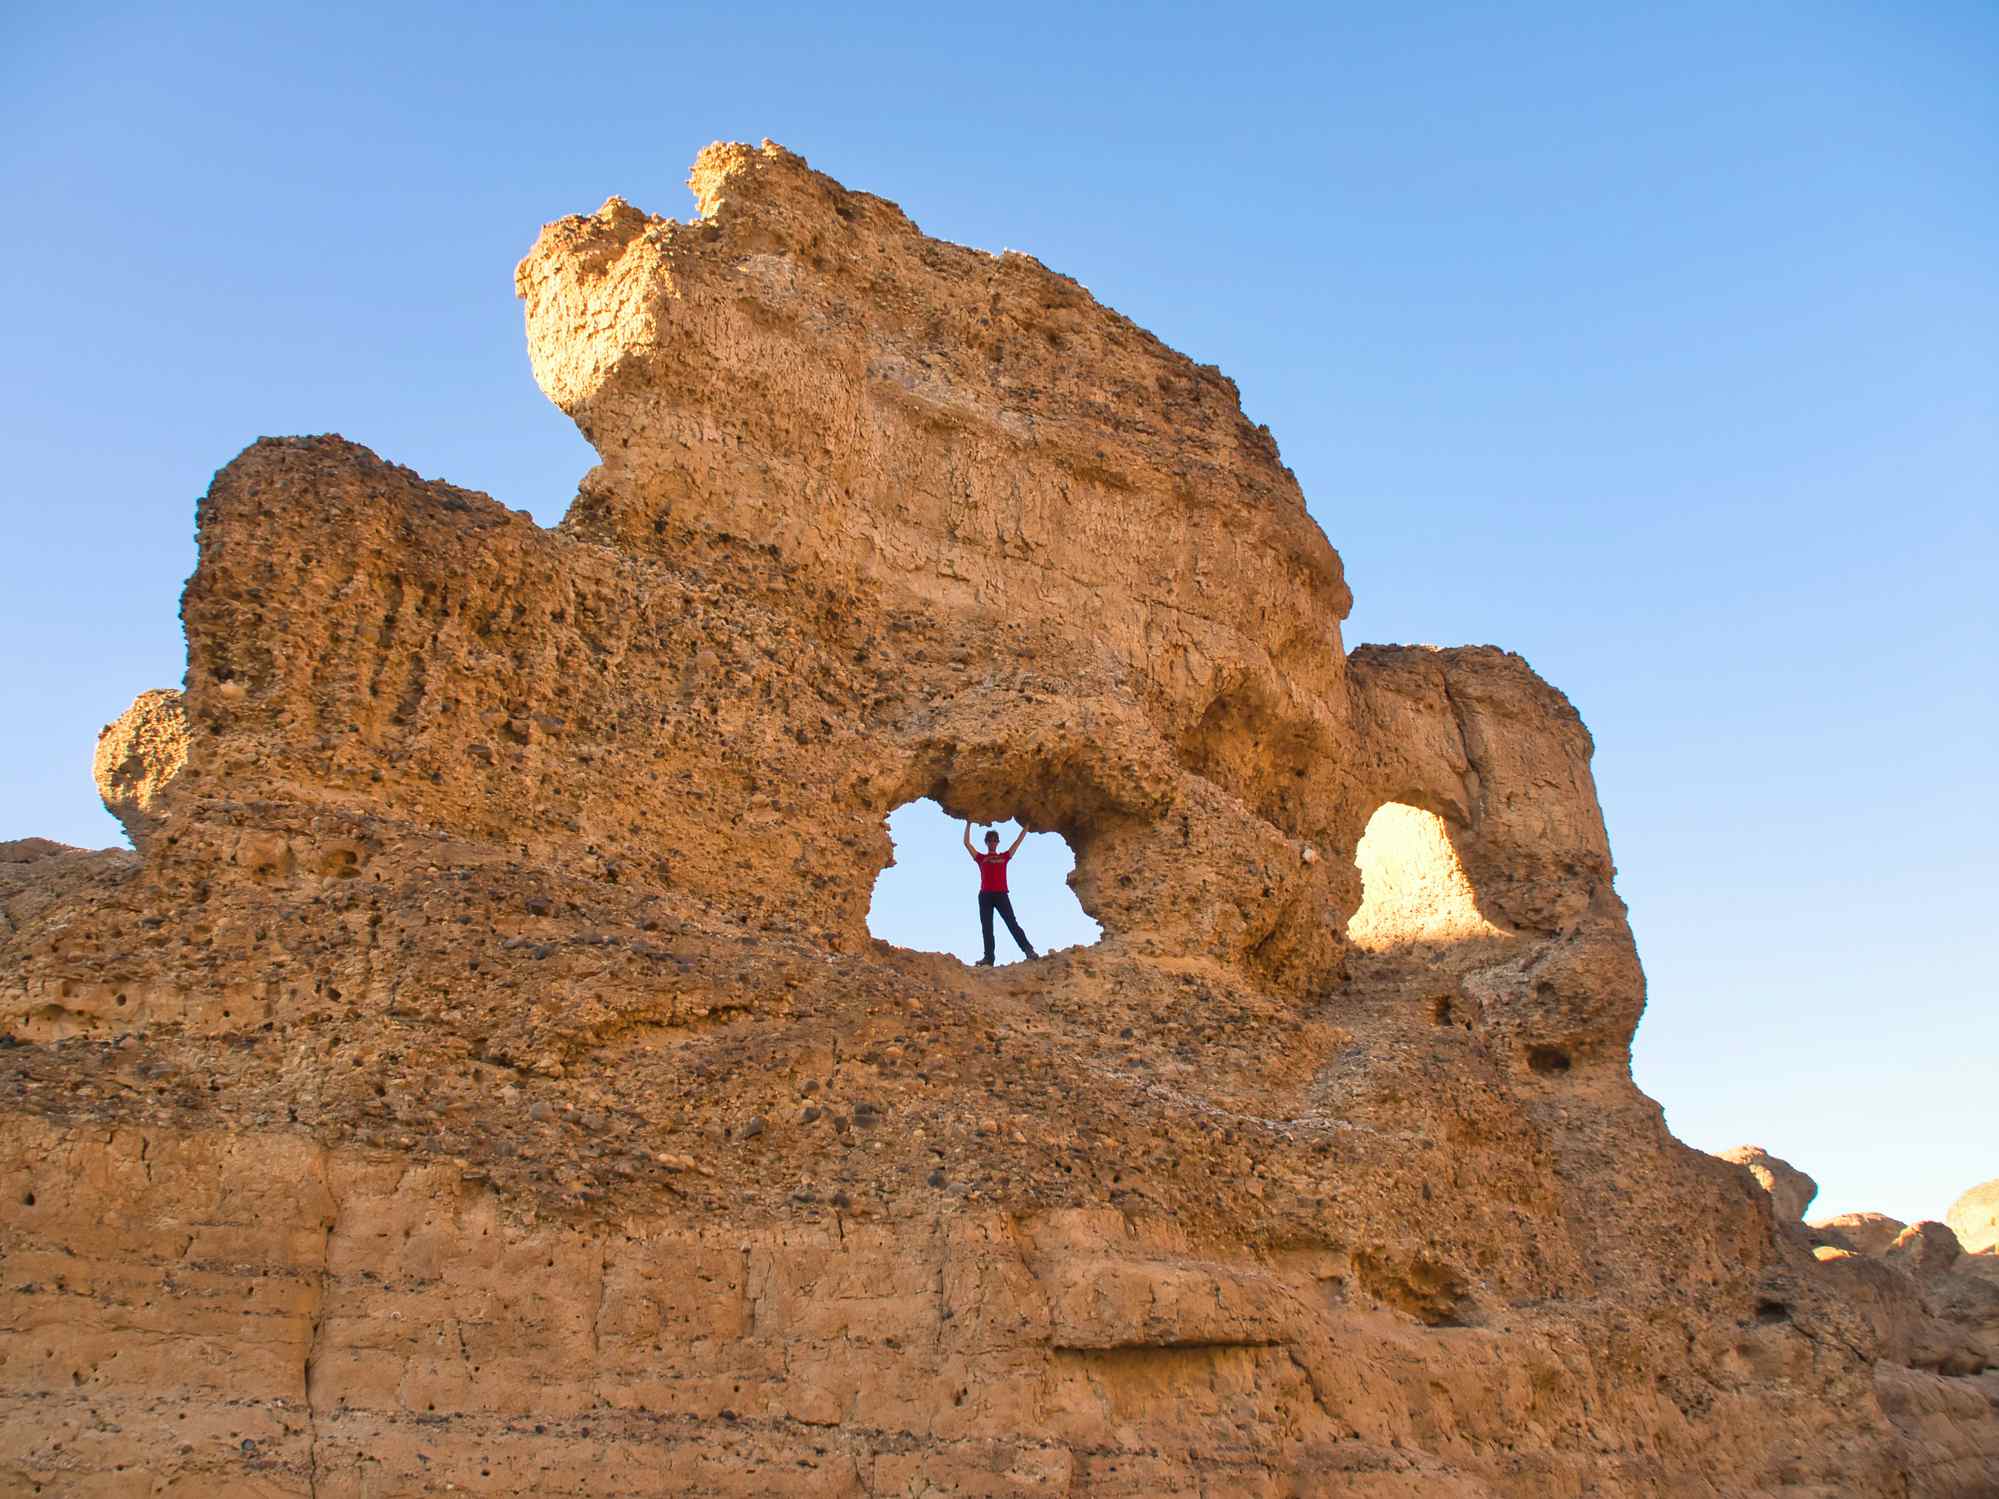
x: 483, y: 1078
x: 1974, y: 1217
x: 1791, y: 1191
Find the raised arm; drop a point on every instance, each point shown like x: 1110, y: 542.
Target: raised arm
x: 968, y: 838
x: 1016, y: 843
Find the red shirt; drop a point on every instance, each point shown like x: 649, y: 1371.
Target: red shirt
x: 992, y: 873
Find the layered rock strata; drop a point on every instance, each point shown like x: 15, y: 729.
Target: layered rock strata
x: 482, y: 1077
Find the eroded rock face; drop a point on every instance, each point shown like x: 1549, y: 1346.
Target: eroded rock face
x: 1414, y: 889
x: 1863, y: 1233
x: 138, y: 757
x: 483, y: 1075
x: 1791, y: 1191
x: 1927, y: 1248
x: 1974, y: 1218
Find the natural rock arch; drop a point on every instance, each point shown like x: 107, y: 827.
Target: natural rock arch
x: 924, y: 899
x: 1415, y: 892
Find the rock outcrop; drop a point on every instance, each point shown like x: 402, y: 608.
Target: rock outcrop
x: 1974, y: 1218
x: 1791, y: 1191
x: 138, y: 757
x: 1953, y: 1325
x: 1928, y: 1248
x: 482, y: 1076
x: 1862, y: 1233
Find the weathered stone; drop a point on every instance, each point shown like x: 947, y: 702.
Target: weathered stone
x: 388, y: 1111
x: 1864, y: 1233
x: 1791, y: 1191
x: 1974, y: 1218
x: 1927, y: 1248
x: 138, y: 757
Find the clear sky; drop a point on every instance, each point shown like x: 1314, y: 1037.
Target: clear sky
x: 928, y: 897
x: 1658, y: 343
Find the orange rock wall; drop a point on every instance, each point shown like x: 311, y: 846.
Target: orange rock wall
x: 481, y: 1076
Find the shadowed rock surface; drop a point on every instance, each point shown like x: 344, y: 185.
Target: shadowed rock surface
x: 483, y: 1077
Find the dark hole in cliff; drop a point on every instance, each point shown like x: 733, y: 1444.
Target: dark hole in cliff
x: 1772, y: 1311
x: 1548, y: 1059
x: 928, y: 896
x: 1432, y: 1292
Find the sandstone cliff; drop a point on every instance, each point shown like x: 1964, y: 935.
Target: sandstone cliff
x: 481, y: 1076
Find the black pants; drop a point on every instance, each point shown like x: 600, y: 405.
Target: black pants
x: 998, y: 900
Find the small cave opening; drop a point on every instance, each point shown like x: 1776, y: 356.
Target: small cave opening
x: 927, y: 898
x: 1548, y: 1059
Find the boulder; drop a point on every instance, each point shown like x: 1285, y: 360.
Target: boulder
x: 1974, y: 1218
x: 1791, y: 1191
x: 1865, y: 1233
x: 138, y: 756
x: 1928, y: 1248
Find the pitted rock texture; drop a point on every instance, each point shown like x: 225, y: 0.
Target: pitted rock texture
x: 1791, y: 1191
x: 482, y: 1078
x: 137, y: 758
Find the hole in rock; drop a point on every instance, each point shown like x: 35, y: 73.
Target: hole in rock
x: 1772, y: 1311
x: 1547, y: 1059
x: 1413, y: 887
x: 928, y: 897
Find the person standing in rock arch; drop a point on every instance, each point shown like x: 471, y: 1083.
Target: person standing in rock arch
x: 993, y: 893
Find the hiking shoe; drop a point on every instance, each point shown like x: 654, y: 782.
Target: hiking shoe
x: 1032, y: 953
x: 983, y: 963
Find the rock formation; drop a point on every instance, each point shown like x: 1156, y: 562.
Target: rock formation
x: 1862, y: 1233
x: 138, y: 757
x: 1791, y: 1191
x: 1974, y: 1218
x: 1956, y: 1320
x: 482, y: 1078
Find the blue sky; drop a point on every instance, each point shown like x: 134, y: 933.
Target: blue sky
x: 928, y: 899
x: 1658, y: 343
